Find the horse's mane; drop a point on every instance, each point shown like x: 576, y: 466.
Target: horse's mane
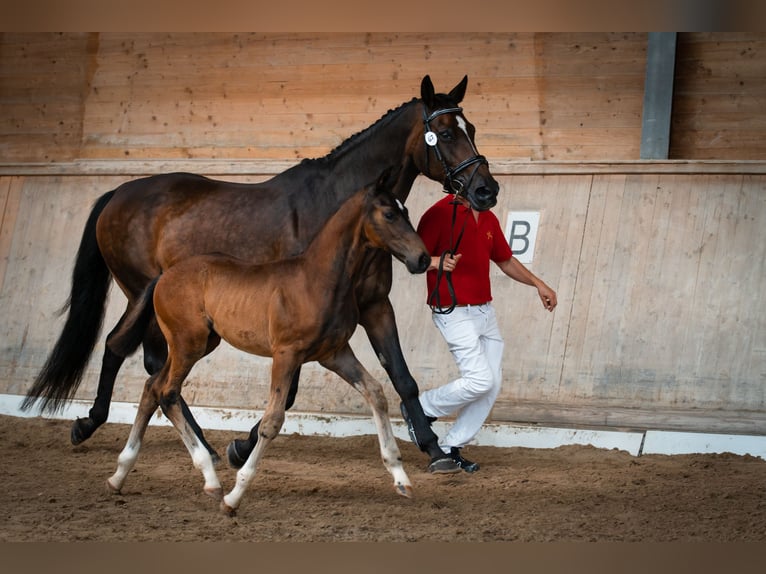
x: 354, y: 139
x: 440, y: 100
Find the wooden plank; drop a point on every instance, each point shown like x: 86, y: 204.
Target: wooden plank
x: 10, y: 193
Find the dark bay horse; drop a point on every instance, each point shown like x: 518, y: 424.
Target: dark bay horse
x: 144, y: 226
x: 293, y: 310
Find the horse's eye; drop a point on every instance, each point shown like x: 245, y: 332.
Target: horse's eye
x: 446, y: 135
x: 390, y: 215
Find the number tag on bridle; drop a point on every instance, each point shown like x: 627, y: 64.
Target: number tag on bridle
x: 431, y: 139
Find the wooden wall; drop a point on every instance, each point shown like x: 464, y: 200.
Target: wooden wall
x: 659, y: 266
x: 554, y: 97
x: 660, y: 271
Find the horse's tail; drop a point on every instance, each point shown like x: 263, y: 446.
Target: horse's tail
x: 125, y: 340
x: 61, y: 375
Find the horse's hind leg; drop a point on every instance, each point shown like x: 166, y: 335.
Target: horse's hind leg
x: 171, y: 402
x: 83, y: 428
x: 348, y: 367
x: 127, y: 459
x: 155, y: 355
x: 201, y: 457
x: 240, y: 448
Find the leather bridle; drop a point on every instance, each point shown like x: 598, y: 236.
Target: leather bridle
x: 451, y: 184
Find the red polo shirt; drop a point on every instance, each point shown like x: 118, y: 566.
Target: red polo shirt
x: 483, y: 241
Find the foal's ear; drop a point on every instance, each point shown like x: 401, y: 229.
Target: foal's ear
x: 387, y: 179
x: 427, y: 91
x: 458, y: 92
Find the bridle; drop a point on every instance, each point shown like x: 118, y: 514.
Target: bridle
x: 451, y: 184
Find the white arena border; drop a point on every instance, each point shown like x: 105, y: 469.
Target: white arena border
x: 492, y: 434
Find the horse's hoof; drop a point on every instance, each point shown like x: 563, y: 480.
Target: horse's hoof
x: 79, y: 434
x: 235, y: 459
x: 215, y: 493
x: 404, y: 490
x: 228, y: 510
x: 112, y: 488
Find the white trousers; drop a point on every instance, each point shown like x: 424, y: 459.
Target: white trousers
x: 474, y: 339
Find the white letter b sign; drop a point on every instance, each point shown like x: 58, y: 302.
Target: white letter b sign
x: 521, y: 233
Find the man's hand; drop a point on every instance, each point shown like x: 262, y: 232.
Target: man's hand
x: 450, y: 262
x: 547, y: 296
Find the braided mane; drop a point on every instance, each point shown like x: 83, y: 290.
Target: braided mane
x: 441, y: 101
x: 352, y: 140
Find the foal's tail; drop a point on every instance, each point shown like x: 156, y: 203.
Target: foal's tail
x: 61, y: 375
x: 125, y: 340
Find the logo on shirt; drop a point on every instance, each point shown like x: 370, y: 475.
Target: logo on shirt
x: 489, y: 235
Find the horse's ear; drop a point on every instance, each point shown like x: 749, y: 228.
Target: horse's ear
x: 427, y: 91
x: 387, y: 179
x: 458, y: 92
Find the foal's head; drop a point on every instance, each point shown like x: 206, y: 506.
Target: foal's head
x: 387, y: 226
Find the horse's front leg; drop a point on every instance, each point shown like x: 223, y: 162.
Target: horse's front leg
x: 240, y: 448
x: 347, y: 366
x: 379, y: 322
x: 283, y: 368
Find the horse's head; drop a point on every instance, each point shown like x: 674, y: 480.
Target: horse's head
x: 446, y: 151
x: 387, y: 225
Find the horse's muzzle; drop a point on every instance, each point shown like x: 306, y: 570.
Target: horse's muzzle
x: 421, y: 265
x: 483, y: 198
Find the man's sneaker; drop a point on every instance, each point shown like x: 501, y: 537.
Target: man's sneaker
x: 443, y: 465
x: 463, y: 463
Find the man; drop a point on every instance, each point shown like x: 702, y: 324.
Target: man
x: 467, y: 322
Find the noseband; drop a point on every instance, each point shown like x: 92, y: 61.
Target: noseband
x: 451, y: 183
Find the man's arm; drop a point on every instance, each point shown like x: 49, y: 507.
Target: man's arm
x: 516, y: 270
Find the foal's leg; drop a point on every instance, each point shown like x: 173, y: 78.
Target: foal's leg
x: 170, y: 400
x: 282, y: 372
x: 127, y: 459
x: 379, y: 322
x: 240, y: 448
x: 345, y: 364
x: 155, y: 355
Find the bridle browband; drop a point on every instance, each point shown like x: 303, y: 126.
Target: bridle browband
x: 450, y: 184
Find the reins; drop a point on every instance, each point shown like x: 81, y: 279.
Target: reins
x: 434, y: 299
x: 454, y: 186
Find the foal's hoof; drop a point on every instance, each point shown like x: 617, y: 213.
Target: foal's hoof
x: 236, y: 460
x: 228, y: 510
x: 404, y: 490
x: 111, y: 487
x: 215, y: 493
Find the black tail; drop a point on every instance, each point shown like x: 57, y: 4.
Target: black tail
x: 61, y: 375
x: 130, y: 335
